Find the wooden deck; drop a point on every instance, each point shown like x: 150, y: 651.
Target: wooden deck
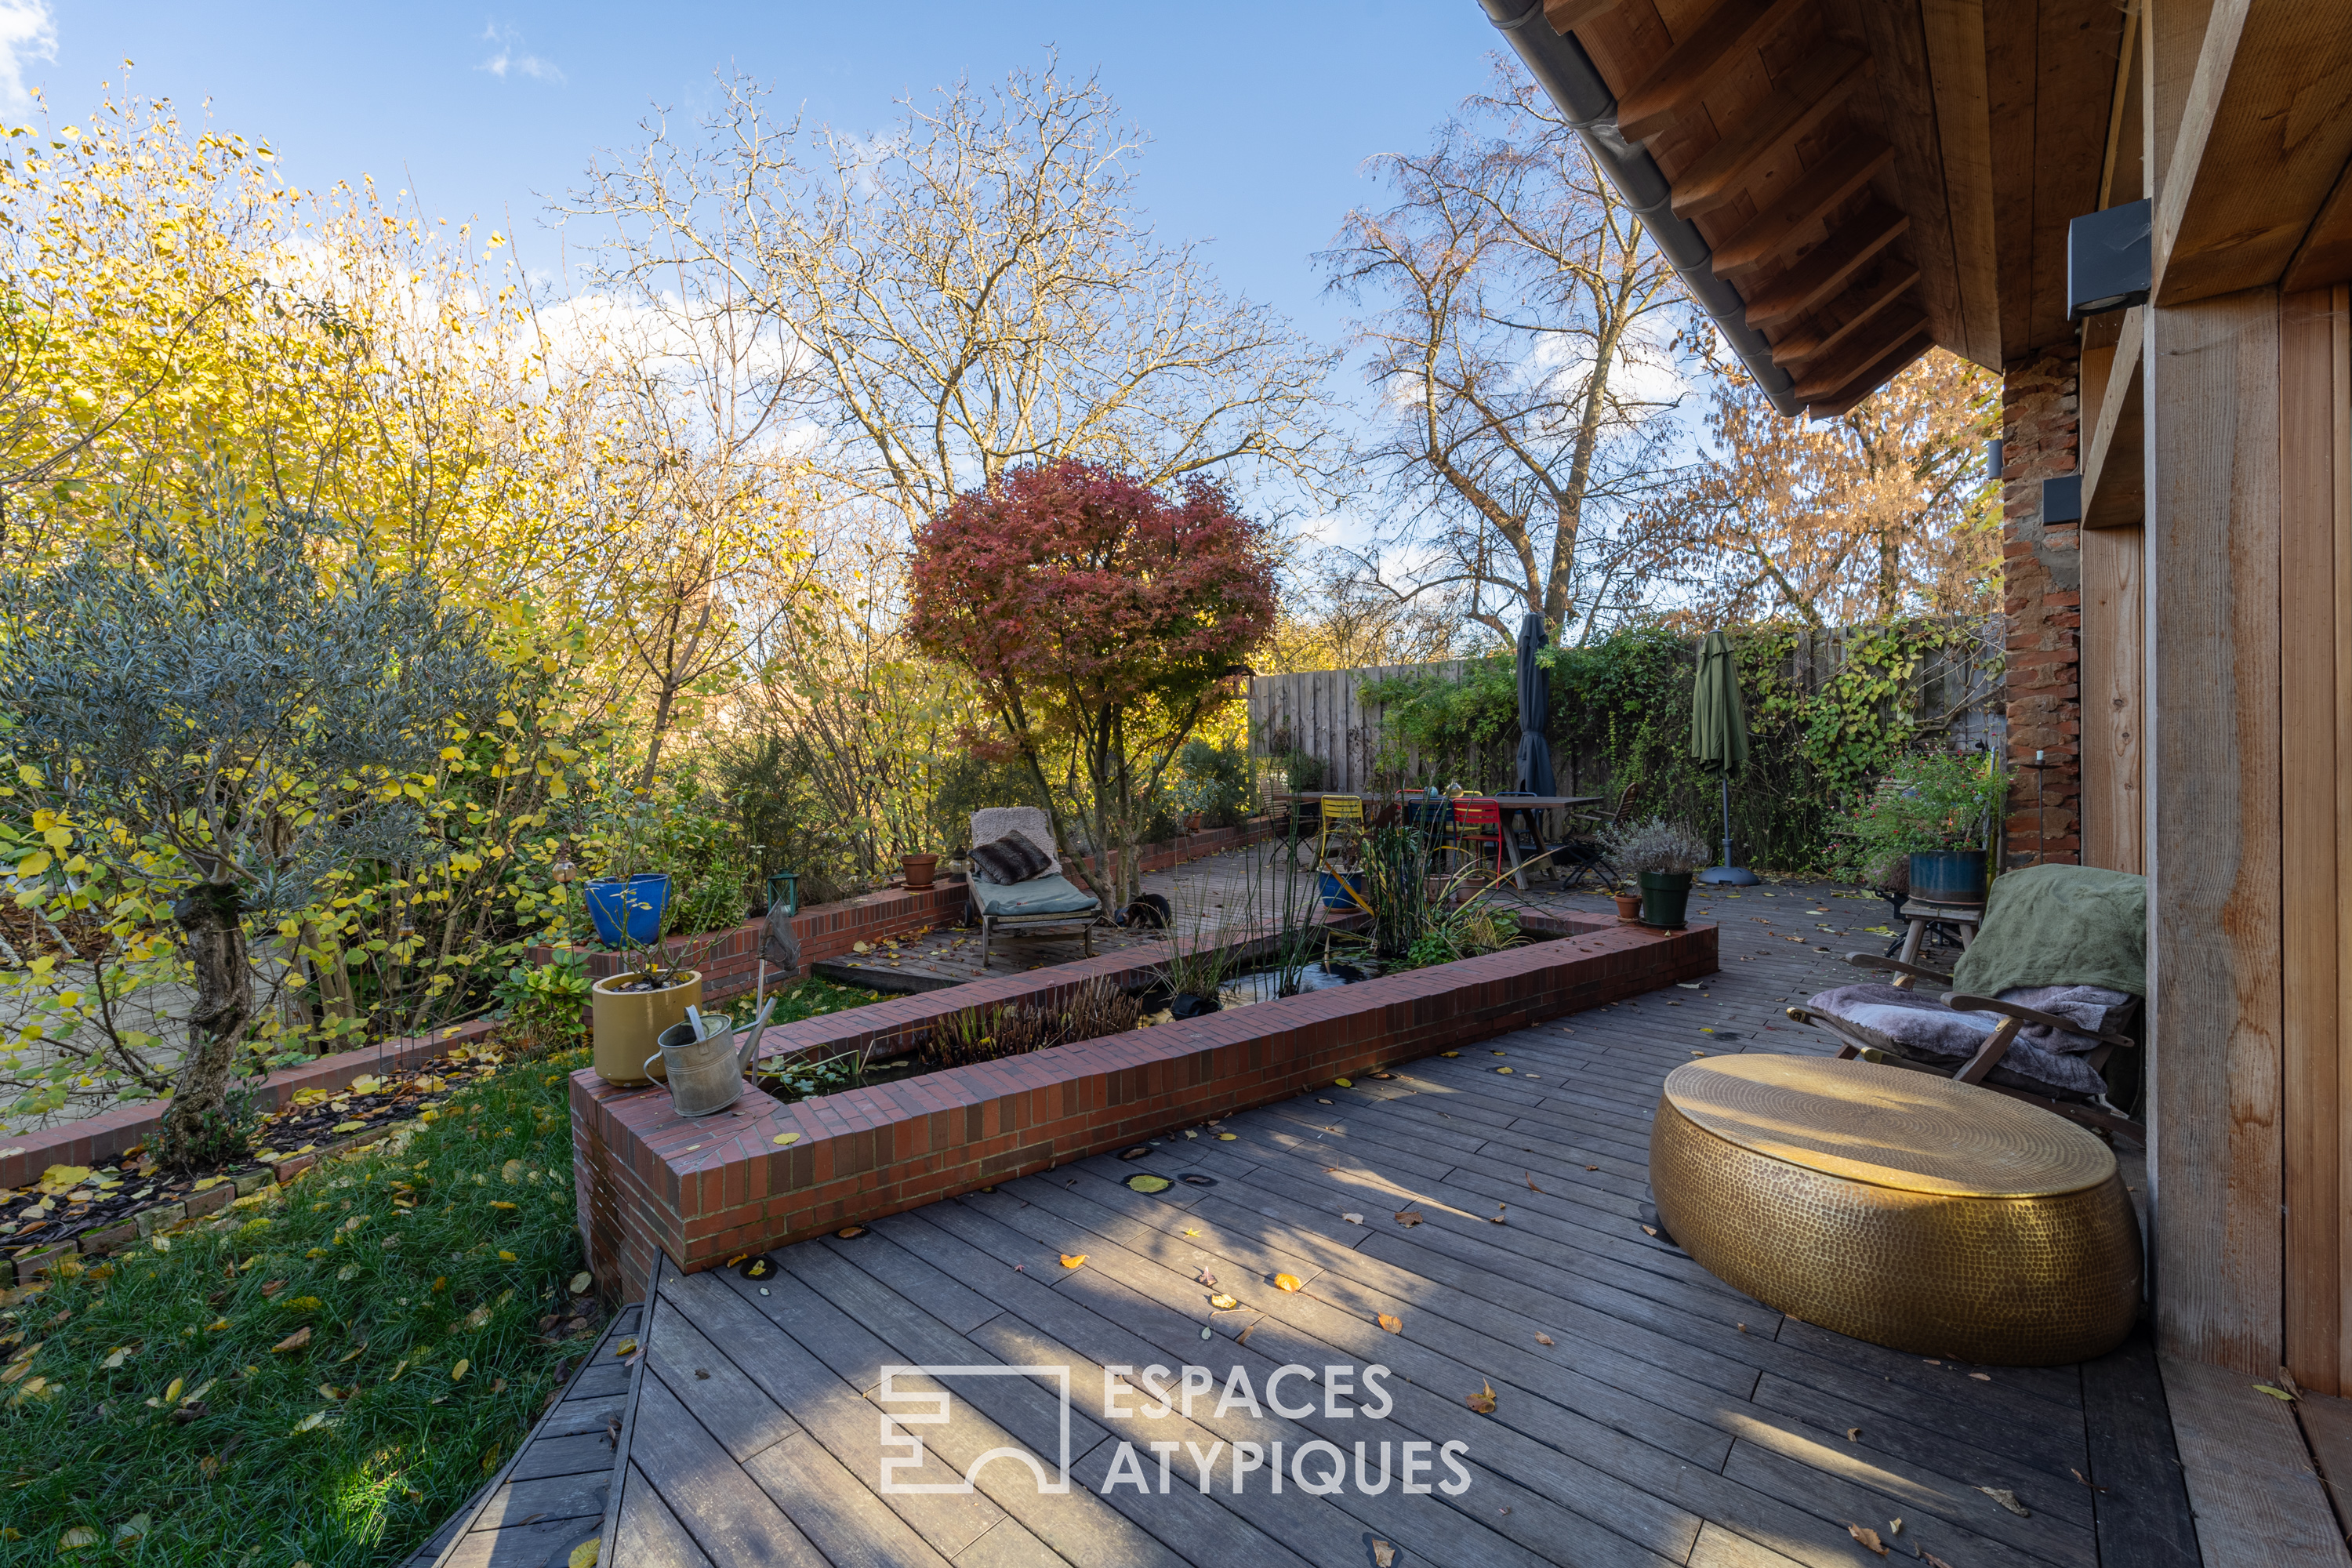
x: 1644, y: 1414
x: 556, y: 1492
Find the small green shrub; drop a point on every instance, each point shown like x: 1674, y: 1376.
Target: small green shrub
x: 548, y: 1001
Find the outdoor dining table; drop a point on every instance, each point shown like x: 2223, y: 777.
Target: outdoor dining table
x: 1526, y: 808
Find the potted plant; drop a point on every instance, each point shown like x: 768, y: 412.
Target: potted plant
x: 1629, y: 905
x: 920, y: 871
x: 1937, y: 812
x: 1342, y: 875
x: 628, y: 1011
x: 1662, y: 855
x: 628, y: 904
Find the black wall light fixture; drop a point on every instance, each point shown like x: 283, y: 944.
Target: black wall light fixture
x: 2062, y: 499
x: 2108, y: 259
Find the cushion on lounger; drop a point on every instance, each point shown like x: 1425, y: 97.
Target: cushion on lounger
x: 1054, y: 895
x: 1010, y: 859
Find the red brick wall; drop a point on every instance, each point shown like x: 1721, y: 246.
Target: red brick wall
x: 109, y: 1133
x: 2042, y: 598
x: 702, y: 1191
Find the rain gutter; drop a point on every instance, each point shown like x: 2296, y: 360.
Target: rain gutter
x: 1564, y: 70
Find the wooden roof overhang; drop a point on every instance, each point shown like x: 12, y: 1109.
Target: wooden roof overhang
x: 1873, y: 178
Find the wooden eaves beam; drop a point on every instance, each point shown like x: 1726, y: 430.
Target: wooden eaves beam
x: 2115, y: 478
x: 1825, y: 268
x: 2263, y: 137
x: 1834, y: 372
x: 1803, y: 98
x: 1811, y: 343
x: 1781, y: 219
x: 1716, y: 44
x: 1877, y: 374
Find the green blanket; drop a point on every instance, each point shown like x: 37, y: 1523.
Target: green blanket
x: 2060, y: 925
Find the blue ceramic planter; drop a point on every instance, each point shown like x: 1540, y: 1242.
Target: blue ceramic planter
x: 630, y: 911
x: 1337, y: 886
x: 1954, y: 877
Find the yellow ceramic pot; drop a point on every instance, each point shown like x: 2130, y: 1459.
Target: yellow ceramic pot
x: 626, y: 1022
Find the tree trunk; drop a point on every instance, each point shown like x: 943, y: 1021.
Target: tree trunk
x: 198, y: 1130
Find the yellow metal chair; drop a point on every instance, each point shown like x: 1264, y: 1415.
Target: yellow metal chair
x: 1341, y: 821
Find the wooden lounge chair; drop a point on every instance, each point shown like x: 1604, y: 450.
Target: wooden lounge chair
x: 1049, y: 904
x: 1888, y: 1047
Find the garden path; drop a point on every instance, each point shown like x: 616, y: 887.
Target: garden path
x: 1644, y: 1412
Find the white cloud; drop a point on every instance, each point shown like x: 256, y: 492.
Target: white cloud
x: 27, y: 33
x: 510, y: 58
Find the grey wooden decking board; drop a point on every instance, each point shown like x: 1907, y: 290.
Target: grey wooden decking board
x: 1079, y: 1527
x: 2143, y: 1511
x: 649, y: 1535
x: 571, y: 1417
x: 1550, y: 1438
x: 730, y: 1517
x: 1926, y: 1443
x: 1647, y: 1293
x: 1921, y: 1487
x: 1943, y: 1515
x: 729, y: 1404
x: 1133, y: 1315
x: 836, y: 1510
x: 1673, y: 1328
x: 2055, y: 1393
x: 1631, y: 1414
x: 839, y: 1417
x: 1427, y: 1124
x: 1319, y: 1313
x: 1022, y: 1331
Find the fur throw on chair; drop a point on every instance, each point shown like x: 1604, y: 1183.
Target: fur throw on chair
x: 1012, y: 858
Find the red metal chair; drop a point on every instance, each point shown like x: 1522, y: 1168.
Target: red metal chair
x: 1478, y: 821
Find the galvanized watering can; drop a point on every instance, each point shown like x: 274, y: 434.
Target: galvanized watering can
x: 706, y: 1067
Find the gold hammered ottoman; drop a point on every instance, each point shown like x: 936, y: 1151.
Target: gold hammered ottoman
x: 1899, y: 1207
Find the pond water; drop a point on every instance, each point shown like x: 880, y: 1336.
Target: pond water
x: 1266, y: 985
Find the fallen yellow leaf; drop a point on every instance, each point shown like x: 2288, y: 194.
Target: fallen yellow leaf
x: 786, y: 1138
x: 1483, y: 1402
x: 1073, y: 1260
x: 1344, y: 1083
x: 1288, y: 1282
x: 299, y: 1340
x: 458, y: 1372
x: 1224, y: 1303
x: 1393, y: 1325
x: 579, y: 1283
x: 584, y: 1554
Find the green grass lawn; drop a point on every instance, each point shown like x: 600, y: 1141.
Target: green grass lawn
x: 327, y: 1381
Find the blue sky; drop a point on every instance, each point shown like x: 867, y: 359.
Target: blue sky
x: 1260, y: 115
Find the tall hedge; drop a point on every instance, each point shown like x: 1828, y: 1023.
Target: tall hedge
x: 1621, y: 713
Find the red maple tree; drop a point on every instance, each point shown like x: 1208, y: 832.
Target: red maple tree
x: 1100, y: 616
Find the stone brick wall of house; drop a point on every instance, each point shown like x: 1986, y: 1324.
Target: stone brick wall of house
x: 2042, y: 598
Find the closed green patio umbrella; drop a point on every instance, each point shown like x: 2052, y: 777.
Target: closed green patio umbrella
x: 1719, y: 739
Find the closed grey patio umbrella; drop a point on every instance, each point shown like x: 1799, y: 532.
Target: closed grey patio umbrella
x: 1719, y: 739
x: 1535, y: 708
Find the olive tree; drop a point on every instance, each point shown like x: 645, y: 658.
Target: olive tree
x: 220, y: 709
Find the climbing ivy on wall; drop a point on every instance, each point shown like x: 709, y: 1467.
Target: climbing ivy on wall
x: 1620, y: 713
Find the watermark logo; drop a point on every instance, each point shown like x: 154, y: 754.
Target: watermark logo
x: 932, y: 1410
x: 1318, y: 1466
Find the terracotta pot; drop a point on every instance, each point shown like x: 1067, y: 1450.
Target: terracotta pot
x: 1629, y: 906
x: 626, y: 1023
x: 920, y: 869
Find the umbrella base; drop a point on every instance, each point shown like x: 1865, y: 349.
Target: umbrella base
x: 1729, y: 877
